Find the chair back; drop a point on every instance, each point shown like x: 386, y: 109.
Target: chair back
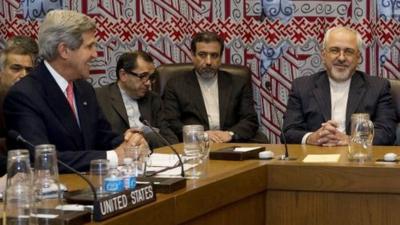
x: 395, y: 91
x: 167, y: 71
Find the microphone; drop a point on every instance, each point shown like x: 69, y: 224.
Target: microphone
x: 169, y: 145
x: 269, y: 90
x: 18, y: 137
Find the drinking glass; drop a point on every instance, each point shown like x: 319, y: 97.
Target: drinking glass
x: 98, y: 171
x: 140, y: 156
x: 196, y: 147
x: 362, y: 135
x: 17, y: 199
x: 46, y: 185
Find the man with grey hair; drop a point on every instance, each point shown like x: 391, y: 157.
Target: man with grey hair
x: 16, y: 61
x: 55, y: 105
x: 320, y: 106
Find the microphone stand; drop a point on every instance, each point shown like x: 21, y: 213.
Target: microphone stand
x: 16, y: 136
x: 285, y: 156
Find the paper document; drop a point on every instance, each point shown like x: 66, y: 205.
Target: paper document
x: 245, y: 149
x: 162, y: 160
x: 175, y: 172
x: 321, y: 158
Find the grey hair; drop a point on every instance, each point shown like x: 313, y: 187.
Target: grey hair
x: 18, y: 49
x: 62, y: 26
x: 2, y: 60
x: 330, y: 30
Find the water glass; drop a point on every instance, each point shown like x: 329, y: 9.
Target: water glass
x: 196, y: 147
x: 98, y: 171
x: 18, y: 195
x: 139, y: 156
x: 46, y: 185
x: 362, y: 135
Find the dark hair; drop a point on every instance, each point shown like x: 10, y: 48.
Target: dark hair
x: 207, y: 37
x: 128, y: 60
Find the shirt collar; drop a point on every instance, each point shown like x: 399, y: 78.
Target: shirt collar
x: 339, y: 85
x: 60, y: 80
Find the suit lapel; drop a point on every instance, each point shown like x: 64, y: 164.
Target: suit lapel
x: 323, y: 96
x: 59, y: 105
x: 117, y: 103
x: 197, y: 97
x: 356, y: 94
x: 224, y: 95
x: 145, y: 108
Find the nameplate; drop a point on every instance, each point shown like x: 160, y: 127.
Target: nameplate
x: 236, y: 153
x: 118, y: 203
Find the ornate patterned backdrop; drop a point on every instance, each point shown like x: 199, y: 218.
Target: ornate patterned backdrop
x: 277, y: 39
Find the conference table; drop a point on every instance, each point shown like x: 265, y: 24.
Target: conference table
x: 277, y: 192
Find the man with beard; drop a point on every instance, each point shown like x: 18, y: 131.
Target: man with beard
x: 129, y: 99
x: 221, y: 102
x: 56, y: 105
x: 320, y: 106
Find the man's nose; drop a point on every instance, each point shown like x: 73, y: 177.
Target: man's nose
x: 208, y: 60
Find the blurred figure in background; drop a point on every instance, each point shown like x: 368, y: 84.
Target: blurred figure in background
x: 16, y: 61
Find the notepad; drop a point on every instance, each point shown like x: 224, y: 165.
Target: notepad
x: 321, y: 158
x: 245, y: 149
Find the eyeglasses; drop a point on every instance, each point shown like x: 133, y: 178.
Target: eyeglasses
x: 144, y: 77
x: 348, y: 52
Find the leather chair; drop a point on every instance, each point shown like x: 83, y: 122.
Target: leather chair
x: 167, y: 71
x: 395, y: 91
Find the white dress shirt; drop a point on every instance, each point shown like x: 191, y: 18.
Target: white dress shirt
x: 132, y: 110
x: 339, y: 96
x: 63, y: 83
x: 209, y: 90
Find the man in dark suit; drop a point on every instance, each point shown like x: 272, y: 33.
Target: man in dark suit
x: 129, y: 100
x: 320, y: 106
x: 16, y: 60
x: 219, y: 101
x: 55, y: 105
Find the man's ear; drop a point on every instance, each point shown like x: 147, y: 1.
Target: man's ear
x: 122, y: 75
x: 63, y: 50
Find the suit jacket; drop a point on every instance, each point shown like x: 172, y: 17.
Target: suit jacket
x: 309, y: 105
x: 184, y: 104
x: 37, y: 108
x: 3, y: 130
x: 150, y: 107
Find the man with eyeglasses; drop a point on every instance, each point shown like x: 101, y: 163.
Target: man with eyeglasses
x: 129, y: 101
x: 320, y: 106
